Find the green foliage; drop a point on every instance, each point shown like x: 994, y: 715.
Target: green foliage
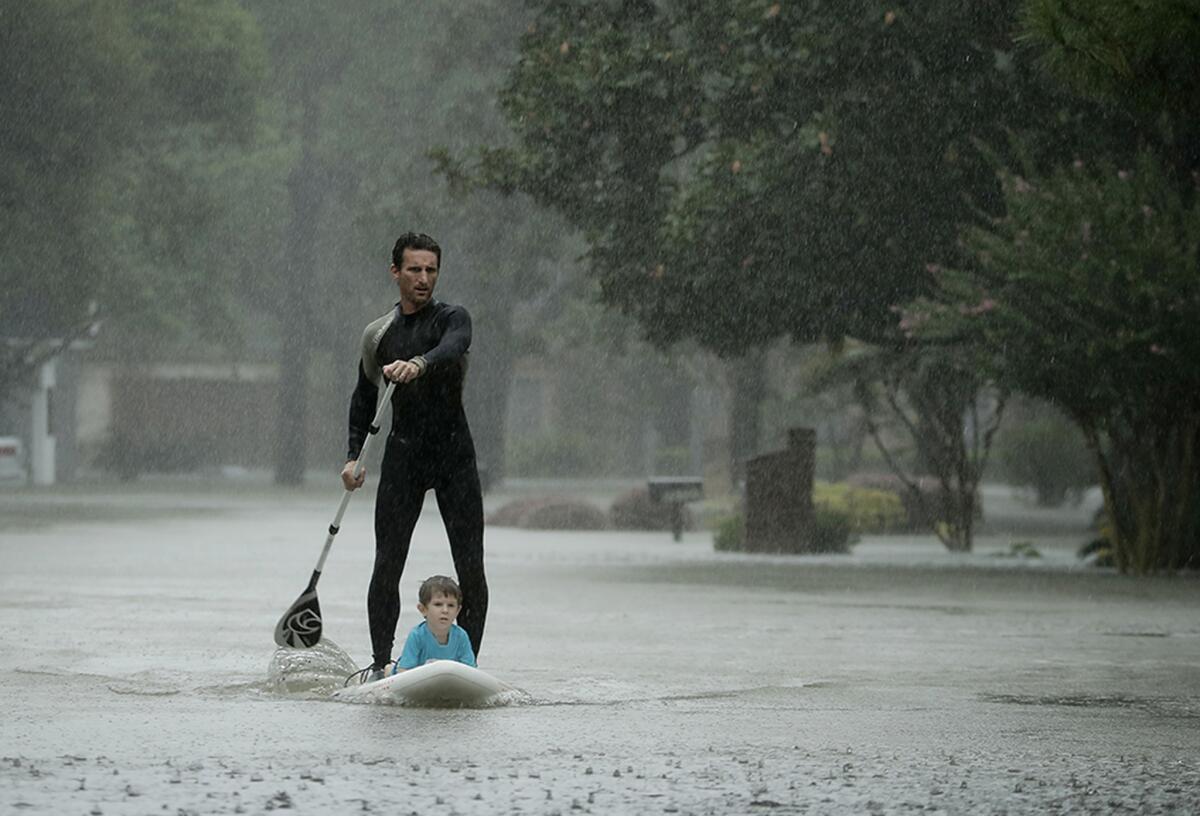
x: 112, y: 115
x: 1020, y: 549
x: 867, y: 510
x: 1084, y: 295
x: 831, y: 532
x: 929, y: 411
x: 105, y: 108
x: 1045, y: 451
x: 1145, y: 55
x: 553, y: 455
x: 746, y: 170
x: 728, y: 533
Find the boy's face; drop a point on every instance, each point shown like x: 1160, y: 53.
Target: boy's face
x: 439, y: 613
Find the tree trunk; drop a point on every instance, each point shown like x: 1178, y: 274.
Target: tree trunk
x: 745, y: 420
x: 1151, y: 494
x: 489, y: 381
x: 295, y: 318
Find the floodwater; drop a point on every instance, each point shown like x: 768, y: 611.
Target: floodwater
x: 139, y: 676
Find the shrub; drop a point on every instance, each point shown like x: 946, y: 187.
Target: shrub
x: 1049, y: 455
x: 921, y: 510
x: 727, y: 533
x: 868, y: 510
x: 549, y: 513
x: 830, y: 533
x: 1099, y: 550
x: 635, y: 511
x: 554, y: 455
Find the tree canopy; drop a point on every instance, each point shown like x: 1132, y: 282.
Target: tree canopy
x: 1082, y: 290
x: 109, y: 113
x: 749, y: 170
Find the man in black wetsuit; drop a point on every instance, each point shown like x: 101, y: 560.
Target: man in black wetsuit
x: 422, y: 345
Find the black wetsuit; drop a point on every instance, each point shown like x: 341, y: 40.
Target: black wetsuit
x: 429, y: 447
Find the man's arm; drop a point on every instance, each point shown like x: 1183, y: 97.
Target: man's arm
x: 455, y: 340
x: 363, y: 403
x: 453, y: 346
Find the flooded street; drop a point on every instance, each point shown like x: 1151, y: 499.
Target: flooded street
x: 657, y: 676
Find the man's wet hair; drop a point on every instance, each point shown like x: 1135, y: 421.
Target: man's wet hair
x: 438, y: 585
x: 414, y: 240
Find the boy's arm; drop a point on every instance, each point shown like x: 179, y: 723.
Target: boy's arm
x: 465, y: 653
x: 410, y: 658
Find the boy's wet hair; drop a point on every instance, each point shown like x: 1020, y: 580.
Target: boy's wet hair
x: 438, y: 585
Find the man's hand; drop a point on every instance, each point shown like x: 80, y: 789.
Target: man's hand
x: 403, y: 371
x: 348, y: 479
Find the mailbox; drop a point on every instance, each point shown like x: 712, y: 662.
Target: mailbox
x: 676, y: 491
x: 669, y: 489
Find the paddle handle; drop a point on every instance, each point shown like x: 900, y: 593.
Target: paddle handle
x: 360, y: 463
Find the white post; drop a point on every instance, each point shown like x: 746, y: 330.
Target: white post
x: 41, y: 442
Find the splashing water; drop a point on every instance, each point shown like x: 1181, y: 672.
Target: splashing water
x: 314, y: 672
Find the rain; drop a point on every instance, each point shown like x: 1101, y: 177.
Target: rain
x: 831, y: 388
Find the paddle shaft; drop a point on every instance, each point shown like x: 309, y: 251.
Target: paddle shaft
x: 360, y: 463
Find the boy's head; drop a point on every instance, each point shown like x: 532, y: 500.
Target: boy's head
x: 438, y: 601
x: 438, y: 585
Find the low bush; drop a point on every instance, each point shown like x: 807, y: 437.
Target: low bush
x: 553, y: 455
x: 1049, y: 455
x: 830, y: 533
x: 868, y: 510
x: 549, y: 513
x: 919, y: 510
x: 635, y: 511
x: 727, y: 533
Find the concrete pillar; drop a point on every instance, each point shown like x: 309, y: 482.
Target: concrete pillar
x: 41, y: 440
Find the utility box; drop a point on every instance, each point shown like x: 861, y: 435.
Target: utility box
x: 779, y: 487
x: 12, y: 459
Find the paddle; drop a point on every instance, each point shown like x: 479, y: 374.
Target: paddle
x: 300, y: 626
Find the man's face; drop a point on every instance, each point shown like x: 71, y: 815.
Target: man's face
x: 416, y: 275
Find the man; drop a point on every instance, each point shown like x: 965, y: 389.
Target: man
x: 421, y: 345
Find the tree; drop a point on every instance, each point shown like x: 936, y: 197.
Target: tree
x: 930, y: 411
x: 1079, y: 292
x: 1142, y: 55
x: 745, y: 171
x: 110, y: 110
x: 1084, y: 294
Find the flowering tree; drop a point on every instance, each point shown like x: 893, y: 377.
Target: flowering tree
x: 1085, y: 294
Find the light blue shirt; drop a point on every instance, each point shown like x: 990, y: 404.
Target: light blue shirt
x: 421, y: 647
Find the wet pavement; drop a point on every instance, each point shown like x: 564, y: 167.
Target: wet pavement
x: 657, y: 676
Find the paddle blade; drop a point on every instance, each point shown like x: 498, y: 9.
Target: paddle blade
x: 300, y: 626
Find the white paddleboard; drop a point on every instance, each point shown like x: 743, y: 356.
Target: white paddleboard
x: 441, y: 683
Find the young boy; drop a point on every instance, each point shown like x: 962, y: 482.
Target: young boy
x: 439, y: 637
